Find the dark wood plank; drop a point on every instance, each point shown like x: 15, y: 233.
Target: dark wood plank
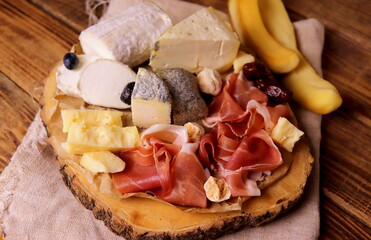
x: 349, y: 18
x: 17, y: 112
x: 71, y: 13
x: 31, y: 43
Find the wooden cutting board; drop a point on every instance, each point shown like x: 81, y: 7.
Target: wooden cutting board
x: 35, y: 34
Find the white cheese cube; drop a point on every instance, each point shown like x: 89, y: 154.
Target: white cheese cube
x: 285, y: 134
x: 103, y: 161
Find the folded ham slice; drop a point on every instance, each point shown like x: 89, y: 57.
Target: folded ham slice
x: 165, y: 166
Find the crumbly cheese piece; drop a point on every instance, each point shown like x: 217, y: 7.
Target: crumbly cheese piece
x: 90, y: 118
x: 195, y: 132
x: 150, y: 100
x: 241, y: 59
x: 128, y: 36
x: 285, y: 134
x: 209, y: 81
x: 217, y: 190
x: 82, y: 139
x: 202, y: 40
x: 187, y: 104
x: 103, y: 161
x: 68, y: 80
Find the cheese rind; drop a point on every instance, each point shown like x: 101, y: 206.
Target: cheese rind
x: 128, y: 36
x: 82, y: 139
x: 285, y: 134
x: 150, y: 100
x: 90, y: 118
x: 187, y: 104
x: 206, y: 40
x: 103, y: 161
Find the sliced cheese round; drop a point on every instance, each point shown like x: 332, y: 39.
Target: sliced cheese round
x: 103, y: 81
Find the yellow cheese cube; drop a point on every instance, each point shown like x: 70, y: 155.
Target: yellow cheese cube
x: 82, y: 139
x: 241, y: 59
x: 90, y: 118
x: 103, y: 161
x: 285, y: 134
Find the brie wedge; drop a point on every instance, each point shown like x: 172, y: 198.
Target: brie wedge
x: 203, y: 40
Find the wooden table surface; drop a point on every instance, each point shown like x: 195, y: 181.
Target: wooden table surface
x: 35, y: 34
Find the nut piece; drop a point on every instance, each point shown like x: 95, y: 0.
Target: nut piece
x: 241, y: 59
x: 195, y: 132
x: 209, y: 81
x: 217, y: 190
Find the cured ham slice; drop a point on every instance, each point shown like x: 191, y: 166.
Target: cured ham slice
x: 188, y: 179
x: 167, y: 133
x: 169, y: 170
x: 140, y: 173
x: 243, y: 107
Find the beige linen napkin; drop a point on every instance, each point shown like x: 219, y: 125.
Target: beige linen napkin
x: 35, y: 204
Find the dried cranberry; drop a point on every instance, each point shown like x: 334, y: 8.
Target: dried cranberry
x: 275, y: 92
x: 255, y: 71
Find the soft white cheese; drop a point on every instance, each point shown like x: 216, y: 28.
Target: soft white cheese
x: 68, y: 80
x: 128, y: 36
x: 103, y: 81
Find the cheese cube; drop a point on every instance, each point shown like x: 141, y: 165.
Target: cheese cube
x: 241, y: 59
x: 150, y: 100
x: 103, y: 161
x: 201, y: 40
x: 82, y: 139
x: 285, y: 134
x: 90, y: 118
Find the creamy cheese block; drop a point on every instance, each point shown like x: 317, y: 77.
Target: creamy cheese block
x: 103, y: 81
x: 128, y: 36
x: 285, y: 134
x: 150, y: 100
x: 187, y: 104
x: 82, y: 139
x: 103, y: 161
x: 68, y: 80
x: 202, y: 40
x: 90, y: 118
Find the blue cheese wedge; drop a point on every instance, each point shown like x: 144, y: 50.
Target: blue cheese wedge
x: 187, y: 104
x: 150, y: 100
x: 202, y: 40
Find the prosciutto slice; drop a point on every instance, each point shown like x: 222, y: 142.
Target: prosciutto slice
x: 165, y: 166
x: 243, y: 107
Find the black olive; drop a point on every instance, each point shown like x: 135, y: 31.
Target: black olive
x: 126, y: 93
x: 208, y: 98
x: 70, y: 61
